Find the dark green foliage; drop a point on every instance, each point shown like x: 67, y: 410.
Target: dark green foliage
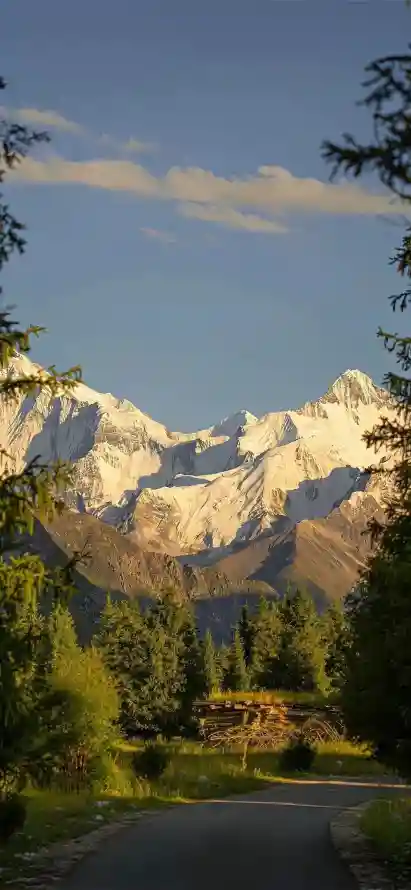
x: 246, y: 631
x: 335, y: 638
x: 301, y: 655
x: 191, y: 666
x: 297, y: 756
x: 155, y: 658
x: 12, y: 816
x: 86, y: 707
x: 267, y: 629
x: 210, y: 665
x: 288, y: 645
x: 151, y: 762
x: 377, y: 689
x: 36, y: 489
x: 236, y: 675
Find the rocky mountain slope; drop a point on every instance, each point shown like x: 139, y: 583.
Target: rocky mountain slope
x: 324, y: 555
x: 273, y: 498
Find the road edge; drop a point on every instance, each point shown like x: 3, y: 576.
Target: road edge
x: 55, y: 863
x: 356, y: 850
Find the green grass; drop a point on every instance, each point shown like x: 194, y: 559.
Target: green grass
x: 223, y: 769
x: 271, y: 697
x: 195, y: 773
x: 387, y: 823
x: 343, y: 758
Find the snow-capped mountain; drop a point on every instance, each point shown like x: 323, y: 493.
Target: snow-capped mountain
x: 200, y: 494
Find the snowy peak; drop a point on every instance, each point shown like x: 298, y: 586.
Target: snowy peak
x: 206, y: 491
x: 234, y: 424
x: 351, y: 395
x: 354, y: 387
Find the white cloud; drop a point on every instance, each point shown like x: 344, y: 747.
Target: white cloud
x: 158, y: 235
x: 257, y: 202
x: 44, y: 118
x: 233, y: 219
x: 53, y: 119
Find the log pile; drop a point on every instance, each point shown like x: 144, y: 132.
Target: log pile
x: 217, y: 718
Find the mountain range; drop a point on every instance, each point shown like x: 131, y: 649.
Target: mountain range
x: 247, y: 505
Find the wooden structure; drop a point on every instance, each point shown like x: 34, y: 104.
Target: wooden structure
x: 219, y: 716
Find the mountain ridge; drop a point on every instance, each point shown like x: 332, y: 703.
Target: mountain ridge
x: 203, y: 496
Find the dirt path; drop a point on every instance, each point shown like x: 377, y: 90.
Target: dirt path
x: 272, y: 840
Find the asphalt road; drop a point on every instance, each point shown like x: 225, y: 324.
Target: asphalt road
x: 272, y: 840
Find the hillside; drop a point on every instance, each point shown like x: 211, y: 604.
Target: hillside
x: 323, y: 555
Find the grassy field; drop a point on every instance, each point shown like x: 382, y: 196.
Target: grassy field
x: 388, y: 825
x: 194, y: 773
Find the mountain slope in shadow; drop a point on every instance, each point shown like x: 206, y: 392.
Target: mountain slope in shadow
x: 325, y: 556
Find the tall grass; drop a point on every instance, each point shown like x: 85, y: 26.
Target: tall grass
x: 387, y: 823
x: 272, y: 697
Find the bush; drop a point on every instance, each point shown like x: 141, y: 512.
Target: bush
x: 12, y: 816
x: 87, y: 709
x: 151, y: 762
x: 298, y: 756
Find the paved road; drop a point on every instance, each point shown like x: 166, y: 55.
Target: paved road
x: 271, y: 840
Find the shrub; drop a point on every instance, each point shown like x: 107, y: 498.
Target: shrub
x: 111, y: 777
x: 151, y: 762
x: 87, y: 708
x: 12, y: 816
x: 298, y: 756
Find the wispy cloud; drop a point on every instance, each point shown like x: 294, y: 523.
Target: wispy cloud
x: 43, y: 118
x: 232, y: 219
x: 158, y: 235
x: 256, y: 202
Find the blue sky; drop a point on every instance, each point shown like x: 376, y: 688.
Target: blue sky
x: 183, y: 249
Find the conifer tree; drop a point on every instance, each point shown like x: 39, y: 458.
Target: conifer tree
x: 193, y: 678
x: 123, y: 640
x: 267, y: 626
x: 246, y: 630
x: 155, y: 658
x: 335, y: 638
x: 301, y: 656
x: 236, y: 676
x: 211, y: 668
x: 24, y: 493
x: 377, y: 688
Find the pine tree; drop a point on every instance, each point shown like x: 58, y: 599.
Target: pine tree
x: 335, y: 637
x: 23, y: 493
x: 302, y: 653
x: 124, y: 642
x: 211, y: 668
x: 62, y: 634
x: 155, y: 658
x: 191, y: 661
x: 267, y: 628
x: 246, y: 630
x: 236, y: 676
x: 377, y: 688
